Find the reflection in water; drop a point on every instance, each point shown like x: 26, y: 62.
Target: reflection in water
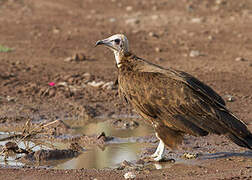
x: 107, y: 127
x: 113, y: 154
x: 110, y: 157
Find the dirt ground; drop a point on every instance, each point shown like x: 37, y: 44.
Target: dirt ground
x: 53, y: 71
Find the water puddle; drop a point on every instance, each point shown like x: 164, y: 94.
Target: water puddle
x: 127, y: 144
x: 109, y: 157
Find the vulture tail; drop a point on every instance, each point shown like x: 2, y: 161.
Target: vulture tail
x: 236, y: 130
x: 243, y: 142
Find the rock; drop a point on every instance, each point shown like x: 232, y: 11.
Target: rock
x: 197, y: 20
x: 132, y: 21
x: 194, y: 53
x: 154, y: 17
x: 68, y: 59
x: 129, y: 175
x: 108, y: 85
x: 157, y: 49
x: 56, y: 30
x: 152, y: 34
x: 210, y: 37
x: 76, y: 57
x: 219, y: 2
x: 79, y: 57
x: 10, y: 99
x: 51, y: 92
x: 240, y: 59
x: 62, y: 84
x: 129, y: 8
x: 229, y: 98
x: 96, y: 84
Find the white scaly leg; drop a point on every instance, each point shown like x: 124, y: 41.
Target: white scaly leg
x: 158, y: 154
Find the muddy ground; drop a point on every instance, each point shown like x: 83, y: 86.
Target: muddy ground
x: 52, y: 70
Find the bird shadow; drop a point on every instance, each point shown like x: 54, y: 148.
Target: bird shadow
x: 220, y: 155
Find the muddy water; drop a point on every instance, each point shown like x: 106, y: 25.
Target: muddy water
x: 124, y: 147
x: 110, y: 156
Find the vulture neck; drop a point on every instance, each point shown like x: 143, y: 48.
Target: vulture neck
x: 122, y: 58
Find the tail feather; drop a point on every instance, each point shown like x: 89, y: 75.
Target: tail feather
x: 237, y: 131
x: 243, y: 142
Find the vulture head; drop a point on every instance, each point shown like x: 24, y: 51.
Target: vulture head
x: 118, y: 43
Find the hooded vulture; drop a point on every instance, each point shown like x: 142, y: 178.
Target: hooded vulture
x: 174, y: 102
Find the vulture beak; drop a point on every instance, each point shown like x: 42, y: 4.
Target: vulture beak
x: 107, y: 42
x: 100, y: 42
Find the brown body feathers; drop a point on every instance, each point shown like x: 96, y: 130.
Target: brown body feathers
x: 176, y: 103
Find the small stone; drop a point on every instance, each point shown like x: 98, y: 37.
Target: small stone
x: 152, y: 34
x: 79, y: 57
x: 108, y: 85
x: 230, y: 98
x: 129, y: 175
x: 219, y: 2
x: 129, y: 8
x: 157, y: 49
x: 68, y: 59
x: 240, y: 59
x: 154, y: 17
x: 210, y: 37
x: 56, y: 31
x: 132, y: 21
x: 10, y: 99
x: 51, y: 92
x: 196, y: 20
x: 194, y: 53
x: 96, y: 84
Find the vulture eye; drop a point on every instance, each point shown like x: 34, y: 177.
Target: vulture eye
x: 117, y: 41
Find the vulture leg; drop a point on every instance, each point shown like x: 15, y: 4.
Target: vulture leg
x: 158, y: 154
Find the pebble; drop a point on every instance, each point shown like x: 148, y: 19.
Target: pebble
x: 129, y: 8
x: 194, y: 53
x: 129, y: 175
x: 196, y: 20
x: 240, y: 59
x: 220, y: 2
x: 76, y: 57
x: 229, y: 98
x: 157, y: 49
x: 132, y: 21
x: 56, y: 31
x: 154, y: 17
x: 108, y: 85
x: 68, y: 59
x: 152, y: 34
x: 96, y: 84
x: 210, y: 37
